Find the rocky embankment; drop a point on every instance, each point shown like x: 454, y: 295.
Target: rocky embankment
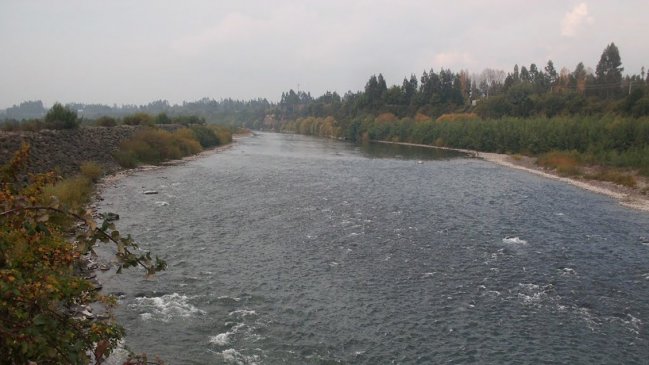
x: 66, y: 150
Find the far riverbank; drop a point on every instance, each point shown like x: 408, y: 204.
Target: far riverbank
x: 628, y: 197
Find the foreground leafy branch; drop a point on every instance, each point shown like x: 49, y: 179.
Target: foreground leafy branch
x: 42, y: 285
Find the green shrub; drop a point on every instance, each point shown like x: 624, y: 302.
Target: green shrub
x: 61, y: 117
x: 616, y: 177
x: 106, y: 121
x: 138, y: 119
x: 73, y: 193
x: 205, y: 136
x: 42, y: 291
x: 91, y: 170
x: 153, y: 146
x: 162, y: 118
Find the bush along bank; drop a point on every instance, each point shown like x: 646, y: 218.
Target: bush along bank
x: 154, y: 145
x: 47, y: 285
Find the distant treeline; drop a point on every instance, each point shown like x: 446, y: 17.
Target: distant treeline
x: 525, y: 91
x: 601, y: 113
x: 64, y: 117
x: 226, y: 111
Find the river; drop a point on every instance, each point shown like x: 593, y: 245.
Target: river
x: 286, y: 249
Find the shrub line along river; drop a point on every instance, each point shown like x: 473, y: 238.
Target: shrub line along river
x: 286, y: 249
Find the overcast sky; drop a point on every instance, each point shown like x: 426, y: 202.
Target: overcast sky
x: 134, y: 52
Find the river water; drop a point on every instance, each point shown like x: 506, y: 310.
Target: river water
x: 287, y: 249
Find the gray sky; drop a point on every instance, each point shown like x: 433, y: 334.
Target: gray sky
x: 134, y: 52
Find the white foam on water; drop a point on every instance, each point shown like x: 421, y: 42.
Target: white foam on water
x: 223, y: 339
x: 232, y: 356
x: 635, y: 323
x: 514, y: 241
x: 427, y: 274
x: 166, y: 307
x: 532, y: 294
x: 588, y: 317
x: 566, y: 271
x: 242, y: 313
x: 225, y: 297
x: 146, y: 316
x: 161, y: 203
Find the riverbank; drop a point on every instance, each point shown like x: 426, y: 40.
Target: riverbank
x: 626, y: 196
x: 123, y: 172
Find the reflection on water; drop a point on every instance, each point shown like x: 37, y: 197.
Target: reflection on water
x: 407, y: 152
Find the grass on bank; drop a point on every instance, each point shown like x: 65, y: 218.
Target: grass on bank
x: 153, y: 145
x: 572, y: 163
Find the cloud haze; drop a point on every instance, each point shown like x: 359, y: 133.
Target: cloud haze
x: 575, y: 19
x: 135, y: 52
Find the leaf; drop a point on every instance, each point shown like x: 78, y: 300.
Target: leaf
x: 100, y: 350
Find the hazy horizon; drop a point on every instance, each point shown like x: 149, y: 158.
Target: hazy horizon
x: 132, y: 53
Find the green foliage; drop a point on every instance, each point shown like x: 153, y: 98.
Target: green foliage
x: 106, y: 121
x: 31, y: 125
x: 323, y: 127
x: 61, y: 117
x: 40, y: 286
x: 72, y: 193
x: 91, y: 170
x: 616, y: 177
x: 162, y: 118
x: 609, y: 72
x: 153, y: 146
x: 138, y: 119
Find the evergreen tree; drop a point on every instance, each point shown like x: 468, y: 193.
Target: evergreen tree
x: 61, y: 117
x: 608, y: 73
x: 551, y: 75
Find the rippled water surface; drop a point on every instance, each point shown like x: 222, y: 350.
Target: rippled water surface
x: 291, y: 250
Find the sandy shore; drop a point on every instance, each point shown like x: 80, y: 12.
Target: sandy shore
x: 628, y: 197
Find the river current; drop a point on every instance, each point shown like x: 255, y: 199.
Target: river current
x: 286, y: 249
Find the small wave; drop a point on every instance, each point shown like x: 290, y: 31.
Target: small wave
x: 161, y: 203
x: 166, y: 307
x: 243, y: 313
x: 566, y: 271
x: 227, y: 298
x: 232, y: 356
x: 514, y: 241
x: 533, y: 294
x: 427, y: 274
x: 223, y: 339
